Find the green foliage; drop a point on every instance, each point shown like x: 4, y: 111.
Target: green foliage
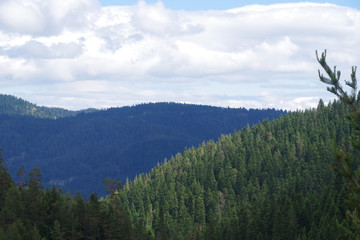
x: 11, y: 105
x: 5, y: 181
x: 345, y: 165
x: 3, y: 235
x: 30, y: 213
x: 271, y: 181
x: 56, y: 233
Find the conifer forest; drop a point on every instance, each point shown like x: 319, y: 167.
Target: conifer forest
x: 290, y: 176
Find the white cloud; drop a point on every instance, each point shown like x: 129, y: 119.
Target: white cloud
x: 157, y: 19
x: 37, y: 17
x: 21, y: 16
x: 35, y: 49
x: 74, y: 54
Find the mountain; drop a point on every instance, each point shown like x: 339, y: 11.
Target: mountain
x: 79, y: 151
x: 12, y: 105
x: 271, y: 181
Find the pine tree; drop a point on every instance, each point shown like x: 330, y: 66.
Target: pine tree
x: 56, y: 233
x: 34, y: 234
x: 16, y: 231
x: 344, y: 163
x: 34, y: 182
x: 5, y: 181
x: 21, y: 174
x: 33, y: 208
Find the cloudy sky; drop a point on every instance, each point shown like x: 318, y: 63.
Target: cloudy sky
x: 255, y: 54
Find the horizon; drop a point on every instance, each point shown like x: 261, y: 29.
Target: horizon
x: 140, y: 103
x: 99, y: 54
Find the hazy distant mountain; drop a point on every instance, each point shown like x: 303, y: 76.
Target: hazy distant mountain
x: 16, y: 106
x: 78, y: 152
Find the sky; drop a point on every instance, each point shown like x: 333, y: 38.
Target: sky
x: 79, y: 54
x: 199, y: 5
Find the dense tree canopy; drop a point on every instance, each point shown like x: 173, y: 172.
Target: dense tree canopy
x: 32, y: 213
x: 272, y: 181
x: 11, y: 105
x: 77, y: 153
x: 345, y: 164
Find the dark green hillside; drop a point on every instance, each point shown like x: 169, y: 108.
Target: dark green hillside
x: 29, y: 212
x: 16, y: 106
x: 77, y: 153
x: 272, y: 181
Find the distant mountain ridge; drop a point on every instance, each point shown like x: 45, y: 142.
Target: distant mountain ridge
x: 12, y: 105
x: 79, y: 151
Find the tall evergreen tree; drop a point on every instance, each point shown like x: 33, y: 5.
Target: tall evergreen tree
x: 5, y: 181
x: 56, y: 233
x: 344, y: 162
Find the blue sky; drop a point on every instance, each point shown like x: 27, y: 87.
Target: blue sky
x: 80, y: 54
x: 224, y: 4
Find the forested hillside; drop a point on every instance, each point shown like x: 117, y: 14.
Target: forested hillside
x: 272, y: 181
x: 76, y: 153
x: 11, y: 105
